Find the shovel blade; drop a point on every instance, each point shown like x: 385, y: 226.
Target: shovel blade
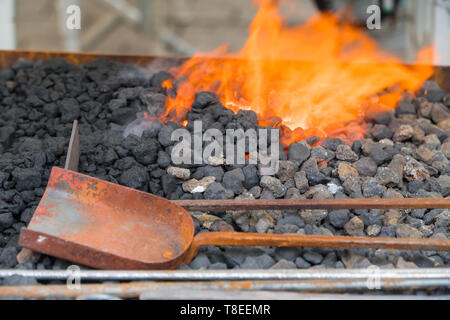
x: 104, y: 225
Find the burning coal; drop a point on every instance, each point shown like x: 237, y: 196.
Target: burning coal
x: 189, y: 147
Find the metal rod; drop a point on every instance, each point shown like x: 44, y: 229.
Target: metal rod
x: 327, y: 204
x: 313, y: 241
x: 73, y: 152
x: 170, y: 294
x: 312, y: 285
x: 133, y: 290
x: 228, y: 275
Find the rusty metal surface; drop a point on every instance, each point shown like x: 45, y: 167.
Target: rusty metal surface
x: 299, y: 240
x: 289, y: 240
x: 104, y: 225
x: 326, y: 204
x: 8, y: 57
x: 134, y: 290
x: 208, y: 294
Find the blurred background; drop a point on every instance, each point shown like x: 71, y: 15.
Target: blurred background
x: 183, y: 27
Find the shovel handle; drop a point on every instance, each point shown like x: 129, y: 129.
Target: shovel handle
x: 324, y: 204
x: 300, y: 240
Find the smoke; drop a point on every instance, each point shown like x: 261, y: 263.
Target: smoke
x: 141, y: 125
x: 162, y: 64
x: 134, y: 73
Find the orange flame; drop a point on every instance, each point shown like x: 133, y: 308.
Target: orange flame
x: 317, y: 78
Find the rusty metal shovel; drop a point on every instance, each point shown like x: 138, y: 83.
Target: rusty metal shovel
x: 104, y: 225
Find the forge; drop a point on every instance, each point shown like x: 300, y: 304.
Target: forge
x: 362, y: 147
x: 403, y: 155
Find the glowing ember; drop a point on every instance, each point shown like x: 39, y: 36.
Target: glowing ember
x: 319, y: 78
